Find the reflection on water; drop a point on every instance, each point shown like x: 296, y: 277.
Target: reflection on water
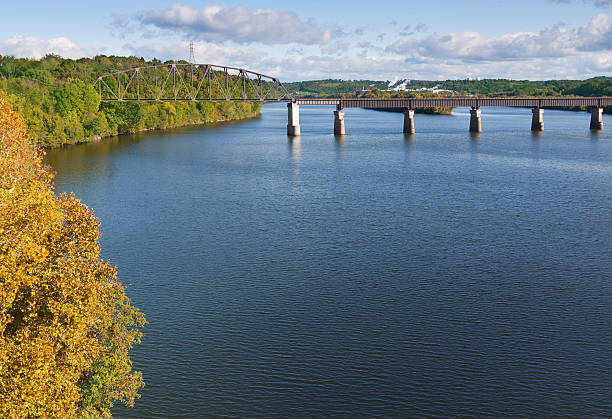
x: 474, y: 146
x: 370, y: 275
x: 294, y: 146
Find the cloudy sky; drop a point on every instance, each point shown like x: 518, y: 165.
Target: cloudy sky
x: 382, y: 39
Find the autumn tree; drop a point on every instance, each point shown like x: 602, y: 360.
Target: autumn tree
x: 66, y: 324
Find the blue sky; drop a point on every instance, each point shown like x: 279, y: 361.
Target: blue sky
x: 384, y: 40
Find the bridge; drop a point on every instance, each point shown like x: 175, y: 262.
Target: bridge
x: 408, y: 105
x: 189, y: 82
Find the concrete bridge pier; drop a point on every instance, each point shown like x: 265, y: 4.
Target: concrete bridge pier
x: 409, y: 121
x: 339, y: 121
x: 475, y: 120
x: 293, y: 124
x: 597, y: 119
x: 537, y: 119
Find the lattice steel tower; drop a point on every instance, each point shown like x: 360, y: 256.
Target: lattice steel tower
x: 191, y: 53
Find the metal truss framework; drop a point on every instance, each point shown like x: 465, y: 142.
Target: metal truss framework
x: 190, y: 82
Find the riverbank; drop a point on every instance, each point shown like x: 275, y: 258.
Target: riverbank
x: 80, y: 117
x: 166, y: 130
x: 74, y: 114
x: 60, y: 106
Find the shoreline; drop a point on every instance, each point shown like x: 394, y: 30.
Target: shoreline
x: 97, y: 139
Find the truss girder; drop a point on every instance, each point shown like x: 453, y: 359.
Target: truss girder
x: 189, y: 82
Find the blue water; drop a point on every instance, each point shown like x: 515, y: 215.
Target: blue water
x: 379, y: 276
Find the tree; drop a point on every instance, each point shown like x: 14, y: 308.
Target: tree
x: 78, y: 96
x: 59, y: 104
x: 66, y: 324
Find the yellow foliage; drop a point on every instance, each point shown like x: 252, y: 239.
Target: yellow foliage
x: 57, y: 297
x: 170, y: 107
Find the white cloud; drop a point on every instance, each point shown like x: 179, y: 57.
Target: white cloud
x: 335, y: 48
x: 556, y: 52
x: 239, y: 24
x: 205, y: 53
x: 596, y: 35
x: 30, y: 47
x: 554, y: 42
x: 599, y: 63
x: 297, y: 65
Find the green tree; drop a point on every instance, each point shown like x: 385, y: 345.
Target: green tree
x: 59, y: 104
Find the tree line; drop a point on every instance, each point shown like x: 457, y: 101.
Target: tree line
x: 599, y: 86
x: 60, y: 106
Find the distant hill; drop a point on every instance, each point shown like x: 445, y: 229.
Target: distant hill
x: 332, y: 87
x: 599, y: 86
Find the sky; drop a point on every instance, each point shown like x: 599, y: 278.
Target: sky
x: 312, y: 39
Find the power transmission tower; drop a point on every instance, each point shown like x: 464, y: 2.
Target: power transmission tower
x: 191, y: 53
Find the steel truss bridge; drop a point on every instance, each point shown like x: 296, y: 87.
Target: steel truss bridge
x: 190, y: 82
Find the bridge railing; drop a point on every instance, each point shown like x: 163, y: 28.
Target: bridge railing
x: 190, y: 82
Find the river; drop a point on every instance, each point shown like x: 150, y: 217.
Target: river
x: 372, y: 277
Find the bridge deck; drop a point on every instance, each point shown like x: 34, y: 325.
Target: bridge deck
x: 408, y: 103
x: 397, y: 103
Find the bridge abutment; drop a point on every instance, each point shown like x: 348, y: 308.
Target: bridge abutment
x: 597, y: 119
x: 475, y: 120
x: 537, y: 119
x: 409, y: 121
x: 293, y: 118
x: 339, y: 122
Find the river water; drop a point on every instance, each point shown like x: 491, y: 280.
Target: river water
x: 372, y: 277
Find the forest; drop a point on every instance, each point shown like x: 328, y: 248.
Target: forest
x: 332, y: 87
x: 60, y: 106
x: 599, y: 86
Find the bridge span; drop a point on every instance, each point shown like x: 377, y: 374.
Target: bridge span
x: 408, y: 105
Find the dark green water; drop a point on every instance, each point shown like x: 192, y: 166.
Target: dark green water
x: 375, y: 277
